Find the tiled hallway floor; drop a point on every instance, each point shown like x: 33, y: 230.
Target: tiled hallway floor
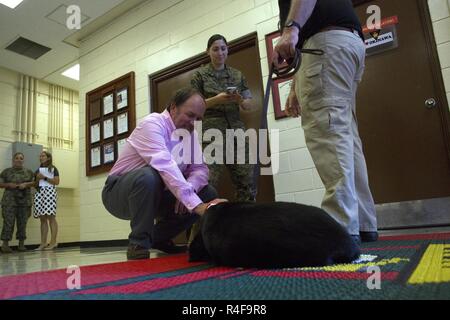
x: 61, y: 258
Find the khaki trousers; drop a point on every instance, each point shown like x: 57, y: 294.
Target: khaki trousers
x: 326, y: 87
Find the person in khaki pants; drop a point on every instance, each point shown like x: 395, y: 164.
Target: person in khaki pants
x: 326, y: 86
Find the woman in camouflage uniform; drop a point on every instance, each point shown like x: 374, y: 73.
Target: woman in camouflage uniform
x: 226, y: 93
x: 16, y: 201
x: 222, y: 113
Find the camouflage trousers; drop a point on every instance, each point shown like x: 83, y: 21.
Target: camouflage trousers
x: 237, y: 161
x: 241, y: 175
x: 10, y: 215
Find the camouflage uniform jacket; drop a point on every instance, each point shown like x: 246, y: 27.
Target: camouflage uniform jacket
x: 16, y: 197
x: 211, y: 82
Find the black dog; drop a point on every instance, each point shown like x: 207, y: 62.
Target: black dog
x: 272, y: 235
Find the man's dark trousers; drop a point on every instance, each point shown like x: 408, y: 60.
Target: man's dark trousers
x: 140, y: 196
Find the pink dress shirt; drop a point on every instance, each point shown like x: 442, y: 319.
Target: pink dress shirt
x: 151, y: 144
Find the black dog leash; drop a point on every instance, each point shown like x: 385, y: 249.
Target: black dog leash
x: 294, y: 64
x: 283, y: 73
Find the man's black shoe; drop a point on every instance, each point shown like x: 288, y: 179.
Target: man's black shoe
x: 169, y: 247
x: 368, y: 236
x: 136, y: 252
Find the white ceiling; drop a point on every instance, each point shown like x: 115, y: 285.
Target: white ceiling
x: 43, y: 21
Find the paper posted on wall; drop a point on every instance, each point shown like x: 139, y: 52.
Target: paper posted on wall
x: 46, y: 173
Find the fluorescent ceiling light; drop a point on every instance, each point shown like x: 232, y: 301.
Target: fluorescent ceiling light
x: 11, y: 3
x: 73, y: 72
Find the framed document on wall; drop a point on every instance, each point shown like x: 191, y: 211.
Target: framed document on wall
x: 95, y: 157
x: 122, y: 98
x: 122, y: 123
x: 108, y: 104
x: 95, y: 133
x: 110, y: 119
x: 271, y: 41
x: 281, y: 87
x: 108, y: 152
x: 108, y: 128
x: 280, y: 93
x: 120, y: 145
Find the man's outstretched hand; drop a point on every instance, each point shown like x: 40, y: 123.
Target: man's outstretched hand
x: 201, y: 208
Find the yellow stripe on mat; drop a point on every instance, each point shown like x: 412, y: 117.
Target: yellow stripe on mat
x: 434, y: 265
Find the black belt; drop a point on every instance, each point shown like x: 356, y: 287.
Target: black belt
x: 338, y: 28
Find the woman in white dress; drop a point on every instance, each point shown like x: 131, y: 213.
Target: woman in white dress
x: 47, y: 178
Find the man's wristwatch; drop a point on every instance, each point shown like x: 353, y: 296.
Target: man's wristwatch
x: 292, y: 23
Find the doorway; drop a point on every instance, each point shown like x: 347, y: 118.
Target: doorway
x: 244, y: 56
x: 406, y: 141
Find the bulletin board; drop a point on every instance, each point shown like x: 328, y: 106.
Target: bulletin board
x: 110, y: 119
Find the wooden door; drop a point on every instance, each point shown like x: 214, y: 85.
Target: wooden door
x: 406, y: 144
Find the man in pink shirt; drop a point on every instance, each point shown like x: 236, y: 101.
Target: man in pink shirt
x: 149, y: 180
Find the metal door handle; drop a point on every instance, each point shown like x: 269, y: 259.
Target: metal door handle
x: 430, y: 103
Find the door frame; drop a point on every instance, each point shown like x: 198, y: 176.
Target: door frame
x: 429, y: 212
x: 242, y: 43
x: 250, y: 40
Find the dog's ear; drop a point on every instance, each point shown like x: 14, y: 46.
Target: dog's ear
x: 197, y: 249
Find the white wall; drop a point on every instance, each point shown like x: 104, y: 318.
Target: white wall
x: 68, y: 199
x: 8, y: 100
x: 162, y: 33
x: 155, y: 36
